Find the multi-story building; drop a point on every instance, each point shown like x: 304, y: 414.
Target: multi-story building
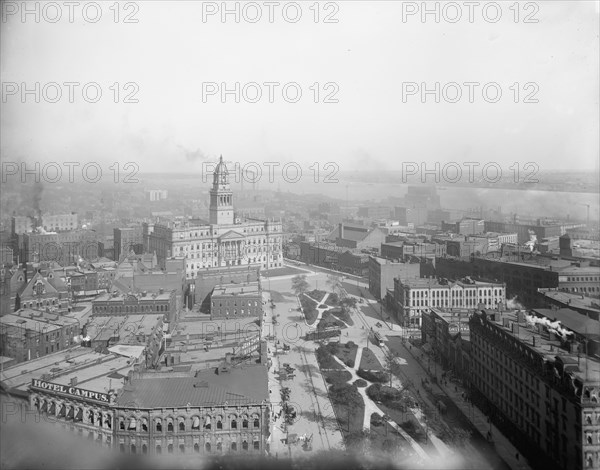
x: 446, y: 330
x: 28, y: 334
x: 237, y: 300
x: 334, y: 257
x: 583, y: 280
x: 65, y: 248
x: 524, y: 231
x: 60, y: 222
x: 127, y: 239
x: 411, y: 216
x: 114, y: 303
x: 539, y: 387
x: 404, y: 250
x: 224, y: 241
x: 412, y: 297
x: 383, y: 271
x: 374, y: 212
x: 21, y: 224
x: 209, y: 413
x: 40, y: 291
x: 156, y: 194
x: 465, y: 226
x: 358, y: 237
x: 555, y: 298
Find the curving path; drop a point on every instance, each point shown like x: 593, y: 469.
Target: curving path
x: 371, y: 408
x: 319, y: 310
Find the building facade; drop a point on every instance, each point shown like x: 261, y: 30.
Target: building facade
x: 539, y: 387
x: 237, y: 300
x: 382, y: 273
x: 160, y: 302
x: 216, y: 412
x: 412, y: 297
x: 28, y: 334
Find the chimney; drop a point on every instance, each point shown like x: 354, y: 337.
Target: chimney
x: 341, y: 230
x: 73, y: 382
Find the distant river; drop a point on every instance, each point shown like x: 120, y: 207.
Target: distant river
x: 532, y: 203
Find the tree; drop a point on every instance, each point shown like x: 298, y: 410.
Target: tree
x: 335, y: 284
x: 299, y: 284
x: 348, y: 302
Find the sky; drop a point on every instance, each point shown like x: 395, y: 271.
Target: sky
x: 365, y: 64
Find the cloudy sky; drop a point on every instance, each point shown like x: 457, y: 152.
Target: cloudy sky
x: 172, y: 53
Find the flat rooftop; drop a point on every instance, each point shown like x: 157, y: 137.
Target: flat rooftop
x: 240, y: 386
x: 94, y: 371
x: 246, y: 289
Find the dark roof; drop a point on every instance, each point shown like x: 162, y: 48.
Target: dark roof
x: 572, y: 320
x: 240, y: 386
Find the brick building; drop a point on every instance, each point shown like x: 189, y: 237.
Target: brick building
x: 28, y: 334
x: 539, y: 387
x: 382, y: 273
x: 232, y: 300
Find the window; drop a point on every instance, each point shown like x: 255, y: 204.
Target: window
x: 245, y: 445
x: 158, y: 449
x: 181, y: 425
x: 207, y: 447
x: 234, y: 446
x: 144, y: 449
x: 158, y: 425
x: 182, y: 448
x: 233, y: 424
x: 256, y: 423
x: 170, y: 426
x: 245, y: 424
x: 256, y: 445
x: 170, y: 448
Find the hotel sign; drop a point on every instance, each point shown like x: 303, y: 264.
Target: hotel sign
x: 456, y: 328
x: 67, y: 390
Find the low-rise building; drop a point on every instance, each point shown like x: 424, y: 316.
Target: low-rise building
x: 114, y: 303
x: 28, y: 334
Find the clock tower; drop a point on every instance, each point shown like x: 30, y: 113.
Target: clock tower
x: 221, y: 197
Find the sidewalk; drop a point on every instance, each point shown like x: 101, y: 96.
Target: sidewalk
x: 504, y: 448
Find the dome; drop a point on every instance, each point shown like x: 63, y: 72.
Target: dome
x: 221, y: 167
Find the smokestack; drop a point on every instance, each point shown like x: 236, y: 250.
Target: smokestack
x: 341, y: 230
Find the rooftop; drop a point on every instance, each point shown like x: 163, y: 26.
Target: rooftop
x: 250, y: 288
x: 94, y: 371
x: 574, y: 300
x: 536, y: 337
x: 572, y: 320
x: 240, y: 386
x: 36, y: 320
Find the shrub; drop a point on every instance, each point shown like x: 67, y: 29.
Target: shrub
x: 350, y: 344
x: 377, y: 376
x: 350, y: 363
x: 360, y: 383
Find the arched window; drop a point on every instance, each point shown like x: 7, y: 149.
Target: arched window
x: 234, y: 446
x: 244, y: 445
x: 245, y: 423
x: 170, y: 448
x: 158, y: 425
x: 256, y: 423
x: 196, y: 447
x: 182, y: 447
x: 233, y: 424
x: 122, y: 424
x: 158, y: 449
x: 170, y: 425
x: 144, y: 449
x: 219, y: 446
x: 207, y: 446
x: 182, y: 425
x: 133, y: 450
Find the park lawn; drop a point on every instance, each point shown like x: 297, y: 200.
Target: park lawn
x: 346, y: 352
x: 347, y: 403
x: 309, y: 308
x: 332, y: 300
x: 285, y: 271
x: 316, y: 294
x: 342, y: 315
x: 328, y: 320
x: 369, y: 361
x: 325, y: 359
x: 385, y: 438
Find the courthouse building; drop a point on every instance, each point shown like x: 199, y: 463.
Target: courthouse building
x: 225, y: 240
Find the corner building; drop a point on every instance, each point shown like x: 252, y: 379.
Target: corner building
x: 222, y: 411
x: 541, y: 390
x: 226, y: 240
